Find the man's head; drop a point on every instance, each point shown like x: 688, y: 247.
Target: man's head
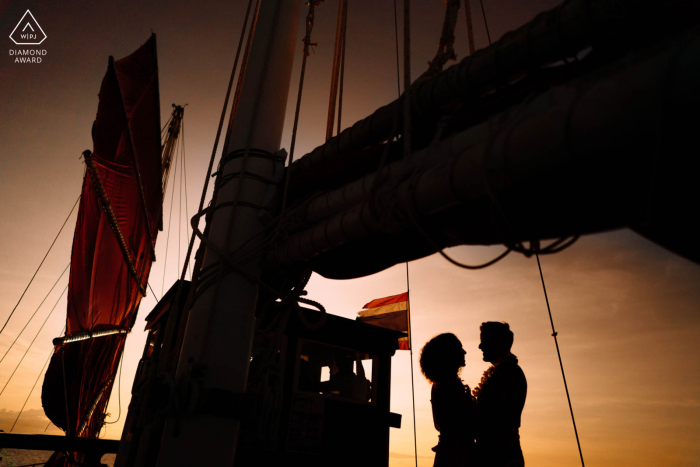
x: 496, y: 340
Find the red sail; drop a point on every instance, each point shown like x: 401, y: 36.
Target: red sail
x: 112, y: 246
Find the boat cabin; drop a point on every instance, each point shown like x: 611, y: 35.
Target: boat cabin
x: 322, y: 398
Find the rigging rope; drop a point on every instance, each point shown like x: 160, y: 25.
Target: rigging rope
x: 32, y: 343
x: 342, y: 67
x: 42, y: 262
x: 561, y: 365
x: 470, y: 29
x: 218, y: 134
x: 33, y: 314
x: 154, y: 294
x: 187, y: 213
x: 486, y: 23
x: 307, y: 44
x: 119, y: 390
x: 406, y: 153
x: 222, y: 263
x: 170, y: 218
x: 30, y: 393
x: 179, y: 213
x: 446, y: 49
x: 396, y: 38
x: 335, y: 74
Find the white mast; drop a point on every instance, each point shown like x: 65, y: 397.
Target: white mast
x: 219, y: 331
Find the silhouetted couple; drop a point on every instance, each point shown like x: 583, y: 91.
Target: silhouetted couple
x: 477, y: 428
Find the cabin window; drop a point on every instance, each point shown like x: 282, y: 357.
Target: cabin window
x: 335, y: 372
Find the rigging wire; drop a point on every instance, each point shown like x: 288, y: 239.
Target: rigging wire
x: 470, y: 29
x: 187, y: 214
x: 396, y: 37
x: 32, y: 343
x: 30, y: 393
x: 119, y: 390
x: 179, y: 215
x: 218, y: 132
x: 165, y: 127
x: 170, y: 218
x: 307, y: 45
x: 34, y: 314
x: 561, y: 365
x: 486, y: 23
x: 335, y: 73
x: 407, y: 127
x: 42, y: 262
x: 342, y: 66
x: 153, y: 292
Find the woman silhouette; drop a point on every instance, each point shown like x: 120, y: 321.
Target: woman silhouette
x: 441, y: 360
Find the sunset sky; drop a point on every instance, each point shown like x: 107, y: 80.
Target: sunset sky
x: 627, y: 311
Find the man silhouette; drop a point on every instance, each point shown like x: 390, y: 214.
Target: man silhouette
x: 500, y: 400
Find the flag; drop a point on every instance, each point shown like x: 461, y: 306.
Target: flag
x: 391, y: 313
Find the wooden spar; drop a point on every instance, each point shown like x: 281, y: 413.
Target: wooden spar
x: 112, y: 220
x: 216, y: 348
x: 561, y: 32
x: 583, y: 157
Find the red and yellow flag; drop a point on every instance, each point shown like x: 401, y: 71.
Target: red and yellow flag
x: 391, y: 313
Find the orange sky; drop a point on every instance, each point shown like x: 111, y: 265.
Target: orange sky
x: 627, y: 311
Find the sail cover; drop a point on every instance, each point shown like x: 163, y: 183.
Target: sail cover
x: 112, y: 253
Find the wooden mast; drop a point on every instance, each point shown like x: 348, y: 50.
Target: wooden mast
x: 216, y: 349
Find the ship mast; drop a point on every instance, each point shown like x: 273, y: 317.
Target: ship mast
x: 217, y: 345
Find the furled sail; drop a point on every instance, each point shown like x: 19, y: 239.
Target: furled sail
x: 113, y: 245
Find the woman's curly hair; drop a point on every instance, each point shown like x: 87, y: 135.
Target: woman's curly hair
x: 437, y: 358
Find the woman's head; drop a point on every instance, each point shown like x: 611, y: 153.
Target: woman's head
x: 442, y: 357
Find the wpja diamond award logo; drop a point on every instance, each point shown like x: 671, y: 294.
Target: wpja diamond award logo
x: 28, y: 32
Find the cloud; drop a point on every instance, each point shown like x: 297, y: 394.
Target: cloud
x: 31, y: 421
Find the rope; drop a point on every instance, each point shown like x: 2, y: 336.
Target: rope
x: 179, y: 213
x: 65, y: 389
x: 32, y: 343
x: 410, y: 349
x: 406, y: 153
x: 35, y: 312
x: 342, y: 68
x: 406, y: 133
x: 307, y: 43
x: 470, y: 29
x: 561, y: 365
x: 244, y: 166
x: 335, y: 74
x: 396, y: 38
x: 241, y: 78
x: 154, y: 294
x: 40, y: 264
x: 486, y: 23
x: 187, y: 213
x: 29, y: 395
x: 121, y: 365
x: 218, y: 134
x: 170, y: 218
x: 446, y: 49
